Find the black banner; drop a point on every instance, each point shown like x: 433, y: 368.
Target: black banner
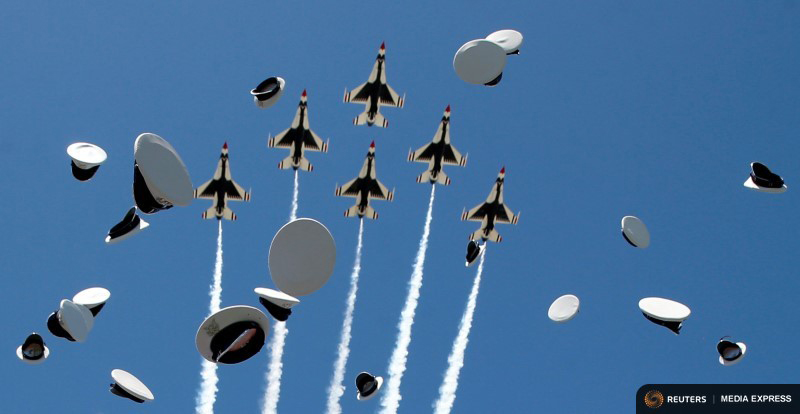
x: 718, y: 398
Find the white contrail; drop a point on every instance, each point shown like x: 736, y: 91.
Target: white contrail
x: 293, y: 214
x: 207, y: 394
x: 273, y: 392
x: 397, y: 363
x: 277, y: 340
x: 336, y: 389
x: 447, y: 391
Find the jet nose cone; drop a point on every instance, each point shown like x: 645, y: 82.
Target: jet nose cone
x: 225, y: 145
x: 304, y: 93
x: 383, y: 45
x: 503, y: 170
x: 372, y: 145
x: 447, y: 109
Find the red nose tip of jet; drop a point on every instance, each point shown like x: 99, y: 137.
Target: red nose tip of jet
x: 383, y: 45
x: 447, y: 109
x: 503, y: 171
x: 304, y: 93
x: 225, y: 145
x: 372, y: 145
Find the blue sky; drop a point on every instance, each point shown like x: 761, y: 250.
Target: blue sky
x: 614, y: 108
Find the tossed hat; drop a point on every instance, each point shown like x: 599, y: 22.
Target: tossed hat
x: 232, y: 335
x: 128, y: 386
x: 480, y: 62
x: 474, y: 251
x: 564, y: 308
x: 301, y: 257
x: 127, y: 227
x: 635, y: 232
x: 730, y: 352
x: 160, y: 179
x: 71, y: 321
x: 277, y: 303
x: 86, y: 159
x: 93, y: 298
x: 367, y: 385
x: 665, y: 312
x: 509, y: 40
x: 762, y: 179
x: 33, y: 351
x: 268, y: 92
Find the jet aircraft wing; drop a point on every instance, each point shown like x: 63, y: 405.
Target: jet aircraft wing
x: 424, y: 154
x: 389, y: 97
x: 350, y: 189
x: 285, y: 139
x: 451, y: 156
x: 236, y: 192
x: 505, y: 215
x: 378, y: 191
x: 207, y: 189
x: 360, y: 93
x: 477, y: 213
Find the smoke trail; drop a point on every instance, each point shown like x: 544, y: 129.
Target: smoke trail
x: 207, y: 394
x: 336, y: 389
x: 293, y: 214
x: 277, y: 341
x: 447, y: 391
x: 273, y: 392
x: 397, y: 363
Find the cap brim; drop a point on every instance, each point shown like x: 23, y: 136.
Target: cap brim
x: 222, y: 319
x: 743, y: 347
x: 360, y: 397
x: 132, y: 385
x: 753, y: 186
x: 21, y: 356
x: 83, y: 174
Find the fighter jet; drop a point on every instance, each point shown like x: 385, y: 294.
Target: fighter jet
x: 365, y: 187
x: 490, y: 212
x: 374, y: 93
x: 439, y: 152
x: 221, y: 188
x: 297, y: 138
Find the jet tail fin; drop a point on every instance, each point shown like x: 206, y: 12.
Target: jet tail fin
x: 442, y: 178
x: 370, y: 213
x: 426, y: 176
x: 377, y: 120
x: 286, y: 163
x: 361, y: 119
x: 228, y: 214
x: 352, y: 211
x: 305, y: 165
x: 210, y: 213
x: 495, y: 236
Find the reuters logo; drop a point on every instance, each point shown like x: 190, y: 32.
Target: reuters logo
x: 653, y: 399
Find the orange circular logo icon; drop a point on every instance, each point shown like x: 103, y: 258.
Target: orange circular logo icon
x: 653, y: 399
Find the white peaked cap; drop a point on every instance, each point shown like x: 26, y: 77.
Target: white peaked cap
x: 479, y: 61
x: 564, y: 308
x: 509, y: 40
